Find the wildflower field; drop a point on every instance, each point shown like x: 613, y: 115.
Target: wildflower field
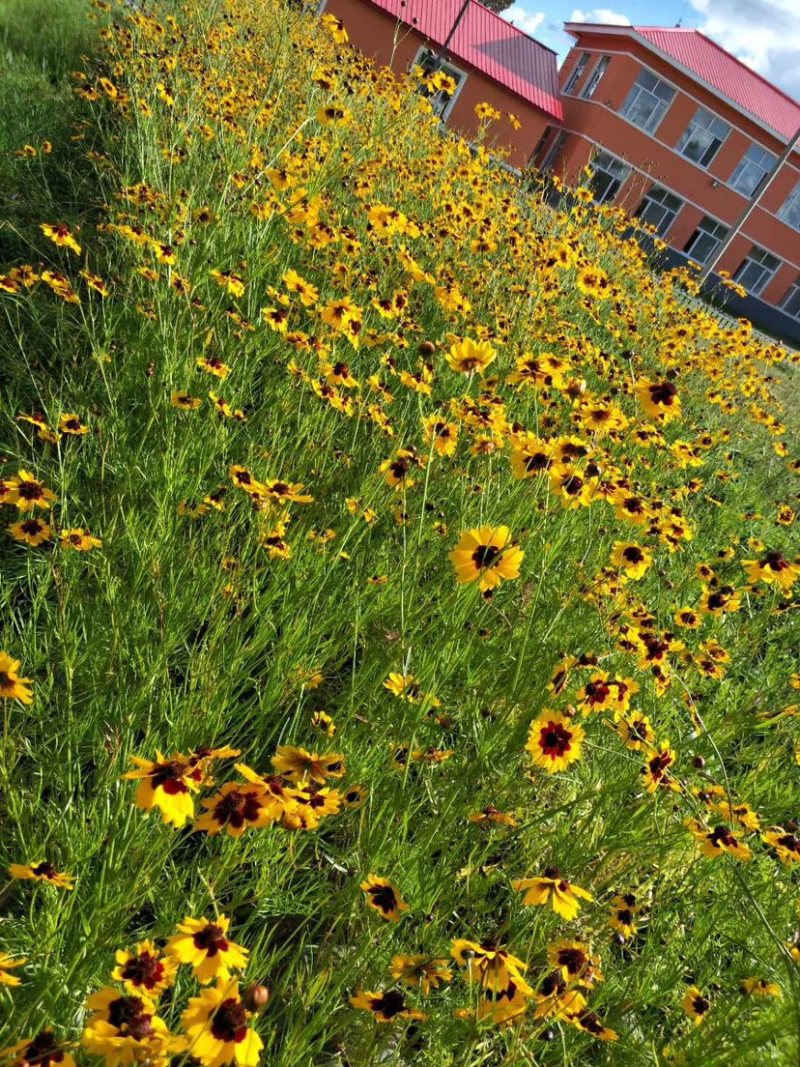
x: 398, y: 583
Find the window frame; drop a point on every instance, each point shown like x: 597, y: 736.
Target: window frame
x: 594, y: 79
x: 639, y: 90
x: 556, y: 147
x: 577, y: 74
x: 620, y: 179
x: 793, y: 292
x: 668, y: 214
x: 741, y: 167
x: 765, y: 273
x: 790, y: 204
x: 449, y: 68
x: 699, y: 232
x: 696, y: 129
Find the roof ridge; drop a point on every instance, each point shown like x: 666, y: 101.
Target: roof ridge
x: 749, y: 69
x: 524, y: 33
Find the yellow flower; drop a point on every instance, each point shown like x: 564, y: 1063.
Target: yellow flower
x: 166, y: 784
x: 12, y: 686
x: 468, y: 356
x: 9, y: 963
x: 203, y: 945
x: 384, y: 898
x: 695, y: 1004
x: 554, y: 741
x: 60, y: 235
x: 553, y: 889
x: 632, y: 559
x: 216, y: 1025
x: 41, y: 872
x: 78, y: 539
x: 486, y: 555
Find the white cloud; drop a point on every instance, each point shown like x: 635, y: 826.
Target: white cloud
x: 764, y: 34
x: 528, y: 21
x: 603, y: 15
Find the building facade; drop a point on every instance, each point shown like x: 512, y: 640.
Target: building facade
x: 682, y: 134
x: 490, y: 61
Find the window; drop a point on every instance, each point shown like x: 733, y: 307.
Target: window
x: 659, y: 209
x: 790, y: 209
x: 705, y: 240
x: 594, y: 80
x: 751, y: 170
x: 703, y: 137
x: 553, y: 151
x: 430, y: 63
x: 647, y: 102
x: 791, y: 302
x: 608, y: 175
x: 577, y: 71
x: 757, y: 270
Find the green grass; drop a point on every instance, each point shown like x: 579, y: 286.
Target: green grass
x: 158, y: 641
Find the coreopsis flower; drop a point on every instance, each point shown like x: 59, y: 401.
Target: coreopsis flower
x: 759, y: 987
x: 687, y: 619
x: 386, y: 1006
x: 203, y: 945
x: 576, y: 962
x: 486, y: 555
x: 43, y: 1050
x: 237, y: 807
x: 551, y: 888
x: 441, y: 435
x: 216, y: 1024
x: 656, y: 773
x: 632, y: 559
x: 354, y: 796
x: 624, y: 909
x: 78, y: 539
x: 125, y: 1028
x: 166, y: 784
x: 44, y: 431
x: 71, y: 425
x: 718, y: 841
x: 31, y: 531
x: 143, y: 969
x: 382, y: 896
x: 285, y: 492
x: 29, y: 493
x: 185, y: 401
x: 590, y: 1024
x: 468, y: 356
x: 308, y: 293
x: 556, y: 999
x: 660, y: 400
x: 575, y: 489
x: 492, y: 815
x: 772, y: 568
x: 8, y: 964
x: 41, y: 872
x: 554, y: 741
x: 427, y: 972
x: 636, y: 731
x: 214, y: 365
x: 228, y: 280
x: 491, y: 967
x: 299, y: 765
x: 310, y: 803
x: 592, y: 281
x: 60, y: 235
x: 786, y: 845
x: 12, y: 685
x: 695, y: 1004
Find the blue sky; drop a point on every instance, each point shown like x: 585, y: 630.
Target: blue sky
x: 765, y: 34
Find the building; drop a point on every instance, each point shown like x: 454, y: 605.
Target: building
x: 489, y: 59
x: 682, y: 134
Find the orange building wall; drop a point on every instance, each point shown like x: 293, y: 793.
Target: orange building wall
x: 378, y: 35
x: 597, y: 121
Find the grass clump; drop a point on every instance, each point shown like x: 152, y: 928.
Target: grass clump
x: 399, y: 601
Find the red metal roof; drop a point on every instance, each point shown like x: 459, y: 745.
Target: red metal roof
x: 710, y: 63
x: 488, y: 43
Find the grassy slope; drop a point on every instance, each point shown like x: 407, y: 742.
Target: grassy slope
x: 152, y: 643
